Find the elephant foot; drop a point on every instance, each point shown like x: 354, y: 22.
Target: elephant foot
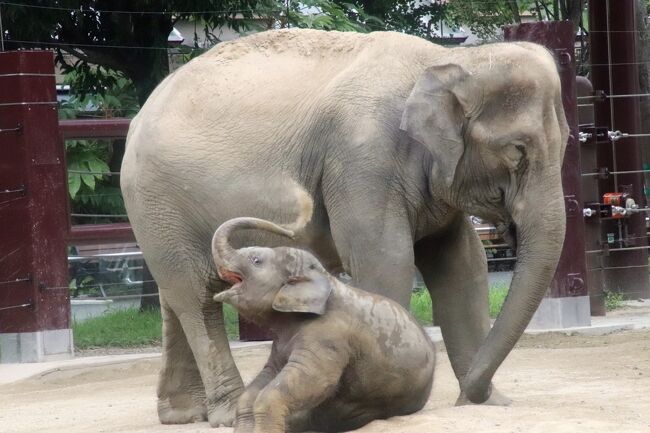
x: 180, y: 410
x: 222, y: 415
x: 496, y: 399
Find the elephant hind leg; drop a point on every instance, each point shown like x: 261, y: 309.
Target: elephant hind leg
x: 181, y: 396
x: 203, y: 324
x: 199, y: 378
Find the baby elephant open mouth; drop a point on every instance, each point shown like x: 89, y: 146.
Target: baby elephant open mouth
x: 335, y: 345
x: 230, y: 277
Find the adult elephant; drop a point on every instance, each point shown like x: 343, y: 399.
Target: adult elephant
x: 396, y: 139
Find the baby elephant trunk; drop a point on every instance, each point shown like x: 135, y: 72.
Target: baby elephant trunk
x: 224, y: 254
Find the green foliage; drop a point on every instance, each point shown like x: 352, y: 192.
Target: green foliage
x: 92, y: 189
x: 484, y: 18
x: 613, y: 300
x: 133, y: 41
x: 99, y: 93
x: 421, y: 307
x: 132, y: 328
x: 120, y: 328
x: 496, y: 298
x: 328, y: 15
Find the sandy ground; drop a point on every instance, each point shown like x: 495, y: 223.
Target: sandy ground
x: 558, y: 383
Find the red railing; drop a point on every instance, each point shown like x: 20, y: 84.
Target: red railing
x: 78, y: 129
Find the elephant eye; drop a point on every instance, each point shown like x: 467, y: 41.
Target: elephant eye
x: 256, y: 260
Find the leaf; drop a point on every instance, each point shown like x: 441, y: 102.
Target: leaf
x: 89, y: 179
x: 74, y: 184
x: 97, y: 165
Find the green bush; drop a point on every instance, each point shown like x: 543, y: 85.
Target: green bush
x: 421, y: 306
x: 613, y: 300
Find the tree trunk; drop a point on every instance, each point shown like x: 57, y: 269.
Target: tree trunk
x: 148, y: 67
x: 148, y: 70
x: 572, y: 11
x: 514, y: 8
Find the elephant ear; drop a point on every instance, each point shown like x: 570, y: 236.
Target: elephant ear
x: 436, y: 114
x: 303, y: 295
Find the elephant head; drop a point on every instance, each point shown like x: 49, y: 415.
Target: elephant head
x: 265, y: 280
x: 494, y: 123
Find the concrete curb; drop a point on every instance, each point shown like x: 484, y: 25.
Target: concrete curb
x: 12, y: 373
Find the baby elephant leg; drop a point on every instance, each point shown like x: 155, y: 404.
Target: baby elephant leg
x: 245, y: 421
x: 310, y: 376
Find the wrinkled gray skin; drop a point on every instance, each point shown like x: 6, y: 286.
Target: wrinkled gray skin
x: 396, y: 139
x: 341, y: 357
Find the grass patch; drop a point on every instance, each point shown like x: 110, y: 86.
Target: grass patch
x: 496, y: 298
x: 231, y: 319
x: 421, y: 307
x: 120, y: 328
x: 132, y: 328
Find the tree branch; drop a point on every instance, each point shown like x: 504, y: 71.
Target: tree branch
x: 94, y: 57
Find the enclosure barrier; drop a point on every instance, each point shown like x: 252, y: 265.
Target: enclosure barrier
x: 612, y: 163
x: 34, y: 295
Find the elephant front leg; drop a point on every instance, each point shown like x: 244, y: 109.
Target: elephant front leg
x: 310, y: 377
x: 454, y: 269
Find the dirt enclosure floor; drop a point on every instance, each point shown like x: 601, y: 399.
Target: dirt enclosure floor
x: 558, y: 383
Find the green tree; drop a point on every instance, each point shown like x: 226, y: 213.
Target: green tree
x: 130, y: 36
x: 486, y: 17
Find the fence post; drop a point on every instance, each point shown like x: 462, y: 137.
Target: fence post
x: 567, y: 302
x: 34, y: 295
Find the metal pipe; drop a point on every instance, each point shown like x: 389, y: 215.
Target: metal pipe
x: 606, y: 96
x: 16, y: 306
x: 143, y: 295
x: 107, y: 173
x: 17, y: 280
x: 502, y: 259
x: 105, y: 255
x: 618, y: 249
x: 610, y: 268
x: 616, y: 172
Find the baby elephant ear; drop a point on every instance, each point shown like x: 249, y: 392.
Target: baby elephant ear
x: 303, y: 295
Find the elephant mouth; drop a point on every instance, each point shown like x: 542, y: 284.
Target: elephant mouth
x: 230, y: 277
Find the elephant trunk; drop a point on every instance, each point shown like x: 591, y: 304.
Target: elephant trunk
x: 224, y: 254
x: 540, y: 235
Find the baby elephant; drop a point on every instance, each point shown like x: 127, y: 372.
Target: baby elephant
x: 341, y: 357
